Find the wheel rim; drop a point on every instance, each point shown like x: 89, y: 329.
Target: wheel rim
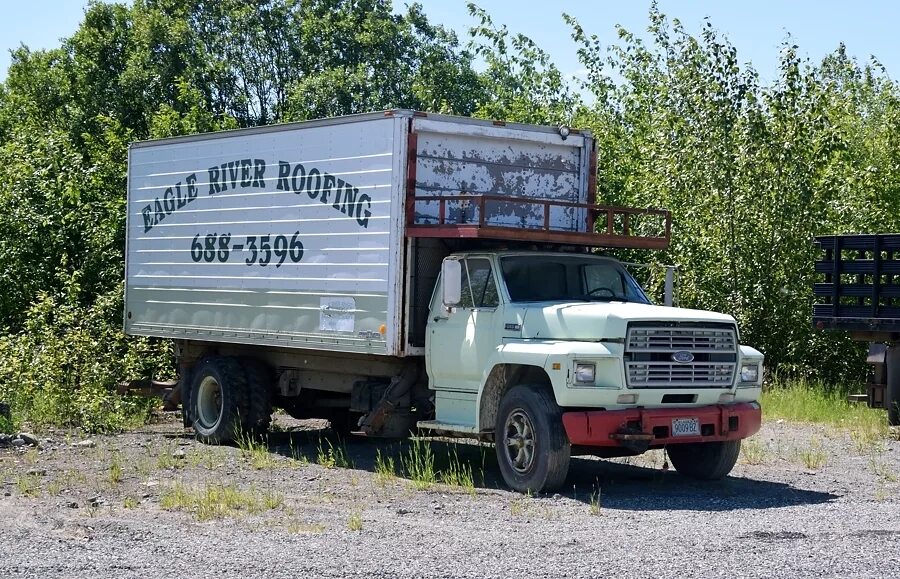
x: 209, y: 402
x: 520, y: 441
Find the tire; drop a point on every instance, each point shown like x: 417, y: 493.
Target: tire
x: 531, y: 413
x: 218, y: 400
x: 259, y: 397
x: 705, y: 460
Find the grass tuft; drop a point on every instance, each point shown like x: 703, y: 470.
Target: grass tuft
x: 28, y: 485
x: 216, y: 501
x: 333, y: 456
x: 754, y: 452
x: 419, y: 464
x: 385, y: 469
x: 458, y: 473
x: 115, y: 473
x: 813, y: 457
x: 354, y: 523
x: 256, y: 452
x: 596, y: 504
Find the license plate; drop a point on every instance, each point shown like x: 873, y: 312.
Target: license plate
x: 685, y: 427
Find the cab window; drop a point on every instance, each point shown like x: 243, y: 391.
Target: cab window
x: 478, y: 287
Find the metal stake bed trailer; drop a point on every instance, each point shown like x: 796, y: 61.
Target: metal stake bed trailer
x: 397, y: 269
x: 859, y: 292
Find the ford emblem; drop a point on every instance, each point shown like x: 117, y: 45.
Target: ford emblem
x: 683, y: 357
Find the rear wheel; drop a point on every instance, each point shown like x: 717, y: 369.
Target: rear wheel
x: 218, y: 400
x: 259, y: 397
x: 705, y: 460
x: 531, y: 444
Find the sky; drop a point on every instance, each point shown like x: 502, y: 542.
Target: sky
x: 756, y: 28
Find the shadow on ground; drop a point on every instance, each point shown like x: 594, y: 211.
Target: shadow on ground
x: 621, y: 486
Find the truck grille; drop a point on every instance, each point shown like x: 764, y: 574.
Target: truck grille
x: 649, y: 360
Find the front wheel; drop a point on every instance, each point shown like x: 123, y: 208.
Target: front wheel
x: 531, y: 444
x: 705, y: 460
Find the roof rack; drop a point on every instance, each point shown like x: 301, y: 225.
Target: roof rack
x: 618, y: 227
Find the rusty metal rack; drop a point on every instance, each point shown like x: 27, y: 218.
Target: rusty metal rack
x: 604, y: 226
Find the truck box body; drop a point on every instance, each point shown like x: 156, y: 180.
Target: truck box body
x: 294, y: 235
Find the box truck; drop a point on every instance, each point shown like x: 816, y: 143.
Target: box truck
x: 398, y: 271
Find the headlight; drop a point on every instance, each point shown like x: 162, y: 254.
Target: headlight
x: 750, y: 373
x: 584, y: 373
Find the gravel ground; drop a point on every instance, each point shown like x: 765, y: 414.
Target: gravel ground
x: 804, y: 501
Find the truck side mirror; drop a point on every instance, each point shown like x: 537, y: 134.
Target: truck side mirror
x: 451, y: 284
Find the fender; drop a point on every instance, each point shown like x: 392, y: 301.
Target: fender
x: 540, y: 354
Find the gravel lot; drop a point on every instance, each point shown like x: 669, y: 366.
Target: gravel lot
x: 804, y: 501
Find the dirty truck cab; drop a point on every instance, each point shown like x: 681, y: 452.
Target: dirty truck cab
x: 554, y: 351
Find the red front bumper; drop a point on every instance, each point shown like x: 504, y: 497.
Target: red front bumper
x: 613, y: 427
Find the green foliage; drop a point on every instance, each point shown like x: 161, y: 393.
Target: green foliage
x: 62, y: 366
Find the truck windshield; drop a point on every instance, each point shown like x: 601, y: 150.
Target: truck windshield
x: 533, y: 278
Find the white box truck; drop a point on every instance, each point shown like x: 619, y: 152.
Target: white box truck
x: 401, y: 270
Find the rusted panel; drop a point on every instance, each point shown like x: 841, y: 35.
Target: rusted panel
x: 459, y: 162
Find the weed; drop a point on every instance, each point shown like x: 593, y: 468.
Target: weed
x: 74, y: 478
x: 302, y: 528
x: 256, y: 452
x: 165, y: 459
x: 115, y: 474
x: 813, y: 457
x: 869, y: 439
x: 31, y: 456
x: 54, y: 488
x: 882, y: 470
x: 549, y: 514
x: 354, y: 523
x: 385, y: 470
x: 218, y: 501
x: 333, y: 456
x: 419, y: 464
x: 754, y: 452
x: 296, y: 454
x: 806, y: 401
x: 518, y: 507
x: 130, y: 503
x: 28, y: 485
x: 596, y: 505
x: 143, y: 467
x: 458, y: 474
x: 272, y: 500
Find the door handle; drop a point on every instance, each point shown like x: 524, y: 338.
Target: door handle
x: 439, y: 319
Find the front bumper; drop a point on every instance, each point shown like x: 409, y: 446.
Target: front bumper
x: 652, y: 427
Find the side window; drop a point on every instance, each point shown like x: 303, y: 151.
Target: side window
x: 478, y: 287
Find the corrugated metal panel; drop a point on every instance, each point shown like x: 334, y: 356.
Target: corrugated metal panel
x: 458, y: 159
x: 281, y: 237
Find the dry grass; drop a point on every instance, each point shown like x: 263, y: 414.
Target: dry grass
x: 216, y: 501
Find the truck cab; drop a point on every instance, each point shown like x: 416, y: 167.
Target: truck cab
x: 555, y: 353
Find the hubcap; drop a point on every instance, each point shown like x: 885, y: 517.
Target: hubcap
x: 209, y: 402
x: 520, y: 441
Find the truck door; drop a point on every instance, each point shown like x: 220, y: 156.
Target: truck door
x: 461, y: 341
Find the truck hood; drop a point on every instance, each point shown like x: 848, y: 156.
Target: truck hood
x: 593, y: 321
